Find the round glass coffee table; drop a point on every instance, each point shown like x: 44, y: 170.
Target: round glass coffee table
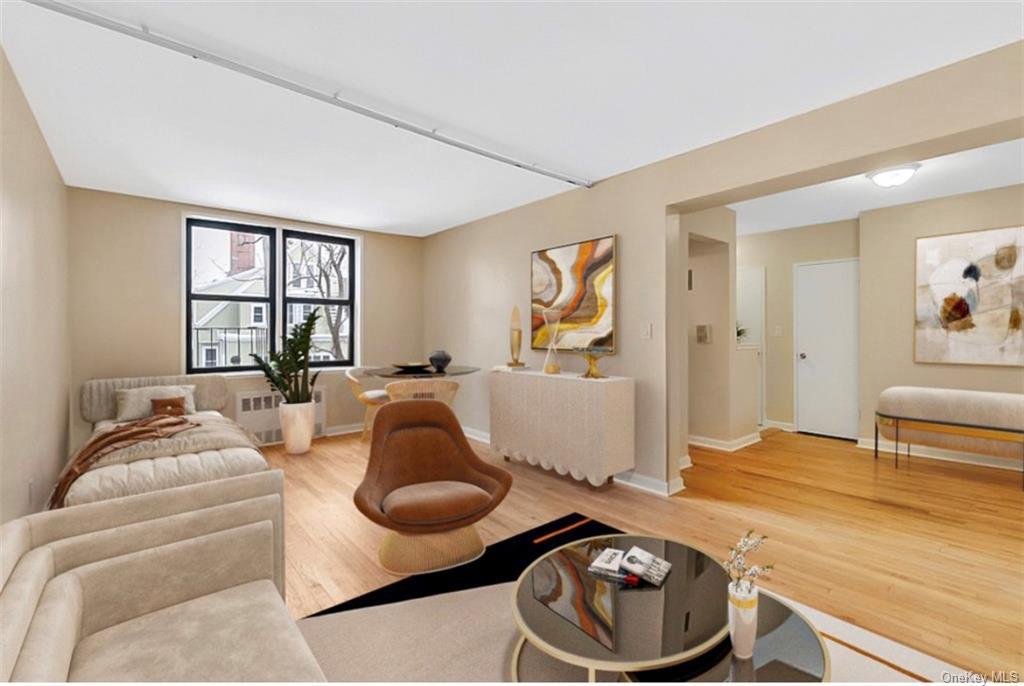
x: 579, y: 627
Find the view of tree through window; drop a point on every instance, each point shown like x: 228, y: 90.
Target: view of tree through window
x: 319, y: 274
x: 232, y: 304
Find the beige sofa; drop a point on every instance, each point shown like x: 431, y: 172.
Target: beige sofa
x: 183, y: 584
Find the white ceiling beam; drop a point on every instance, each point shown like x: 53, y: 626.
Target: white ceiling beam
x: 144, y: 34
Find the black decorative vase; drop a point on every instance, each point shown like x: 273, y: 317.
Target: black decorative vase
x: 440, y: 360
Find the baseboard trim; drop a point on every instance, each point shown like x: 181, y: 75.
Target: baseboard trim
x: 477, y: 434
x: 685, y: 462
x: 725, y: 446
x: 343, y: 429
x: 887, y: 447
x: 785, y: 426
x: 650, y: 484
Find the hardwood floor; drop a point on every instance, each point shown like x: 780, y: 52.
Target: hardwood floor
x: 931, y: 555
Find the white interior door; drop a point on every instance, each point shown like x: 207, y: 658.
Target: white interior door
x: 750, y: 305
x: 825, y: 343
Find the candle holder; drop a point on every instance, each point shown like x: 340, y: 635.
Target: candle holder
x: 515, y: 338
x: 592, y: 356
x: 552, y: 318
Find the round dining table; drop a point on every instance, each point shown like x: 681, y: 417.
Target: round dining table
x: 428, y: 373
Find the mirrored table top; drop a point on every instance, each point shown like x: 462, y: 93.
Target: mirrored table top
x: 576, y: 617
x: 426, y: 373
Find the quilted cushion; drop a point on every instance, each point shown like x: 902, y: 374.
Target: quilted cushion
x: 243, y: 633
x: 154, y: 474
x: 434, y: 502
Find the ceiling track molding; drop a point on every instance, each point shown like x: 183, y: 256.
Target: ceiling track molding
x: 144, y: 34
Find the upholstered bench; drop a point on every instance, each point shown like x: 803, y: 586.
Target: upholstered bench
x: 962, y: 421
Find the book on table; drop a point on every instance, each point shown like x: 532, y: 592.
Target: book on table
x: 648, y: 567
x: 616, y: 564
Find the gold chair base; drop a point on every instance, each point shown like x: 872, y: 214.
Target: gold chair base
x: 406, y: 554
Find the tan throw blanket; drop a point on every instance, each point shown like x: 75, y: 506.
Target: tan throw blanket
x: 156, y: 436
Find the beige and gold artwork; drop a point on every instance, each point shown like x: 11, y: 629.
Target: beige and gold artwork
x: 970, y: 298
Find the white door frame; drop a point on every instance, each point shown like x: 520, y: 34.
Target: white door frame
x: 762, y: 416
x: 796, y: 338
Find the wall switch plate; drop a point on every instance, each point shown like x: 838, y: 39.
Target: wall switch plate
x: 778, y: 331
x: 703, y: 333
x: 648, y: 332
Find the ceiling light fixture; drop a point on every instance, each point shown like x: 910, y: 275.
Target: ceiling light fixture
x: 894, y: 176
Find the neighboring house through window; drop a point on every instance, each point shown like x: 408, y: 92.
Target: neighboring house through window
x: 230, y: 270
x: 232, y: 295
x: 210, y: 356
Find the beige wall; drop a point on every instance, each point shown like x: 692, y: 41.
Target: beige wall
x: 777, y: 252
x: 888, y: 254
x: 709, y: 362
x: 127, y: 313
x: 35, y: 365
x: 476, y: 272
x: 125, y: 266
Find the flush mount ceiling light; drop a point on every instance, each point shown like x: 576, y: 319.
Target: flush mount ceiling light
x: 894, y: 176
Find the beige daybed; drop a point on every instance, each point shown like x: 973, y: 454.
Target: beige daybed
x: 143, y: 470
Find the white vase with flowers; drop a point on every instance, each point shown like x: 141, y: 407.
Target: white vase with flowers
x: 743, y: 594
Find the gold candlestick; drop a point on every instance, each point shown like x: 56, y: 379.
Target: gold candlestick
x: 592, y: 355
x: 515, y: 338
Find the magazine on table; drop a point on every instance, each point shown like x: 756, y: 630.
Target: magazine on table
x: 630, y: 567
x: 648, y: 567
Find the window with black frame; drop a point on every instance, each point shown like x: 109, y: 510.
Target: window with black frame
x: 319, y: 274
x: 229, y: 293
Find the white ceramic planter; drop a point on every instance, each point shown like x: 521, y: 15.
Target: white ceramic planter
x: 298, y: 422
x: 742, y: 621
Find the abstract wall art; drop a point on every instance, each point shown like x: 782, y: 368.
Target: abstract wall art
x: 561, y: 583
x: 970, y: 298
x: 579, y: 281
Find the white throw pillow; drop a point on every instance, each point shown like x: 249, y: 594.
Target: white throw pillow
x: 134, y: 403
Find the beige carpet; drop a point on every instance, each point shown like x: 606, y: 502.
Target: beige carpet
x: 463, y: 636
x: 470, y: 636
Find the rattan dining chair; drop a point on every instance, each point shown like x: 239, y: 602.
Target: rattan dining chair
x: 423, y: 389
x: 372, y: 399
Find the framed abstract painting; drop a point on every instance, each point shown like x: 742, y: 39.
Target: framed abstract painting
x: 576, y: 281
x: 969, y: 301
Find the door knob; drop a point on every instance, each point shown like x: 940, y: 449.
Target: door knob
x: 803, y: 356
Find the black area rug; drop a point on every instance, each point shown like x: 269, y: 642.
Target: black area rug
x: 502, y: 562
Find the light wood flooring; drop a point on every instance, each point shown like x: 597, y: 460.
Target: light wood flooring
x: 931, y: 555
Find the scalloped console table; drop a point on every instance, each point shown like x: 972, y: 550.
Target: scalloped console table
x: 576, y: 426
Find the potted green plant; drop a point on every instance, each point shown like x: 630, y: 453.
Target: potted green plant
x: 287, y: 372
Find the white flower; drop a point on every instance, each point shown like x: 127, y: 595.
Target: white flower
x: 736, y: 565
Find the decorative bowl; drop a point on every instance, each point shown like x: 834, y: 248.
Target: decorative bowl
x: 411, y: 366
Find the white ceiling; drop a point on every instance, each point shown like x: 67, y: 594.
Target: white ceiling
x: 590, y: 89
x: 993, y: 166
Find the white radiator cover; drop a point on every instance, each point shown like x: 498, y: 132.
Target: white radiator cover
x: 256, y: 412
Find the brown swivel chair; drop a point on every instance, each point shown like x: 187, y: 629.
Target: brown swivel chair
x: 426, y: 484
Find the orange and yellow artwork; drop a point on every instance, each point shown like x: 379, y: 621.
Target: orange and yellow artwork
x: 577, y: 280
